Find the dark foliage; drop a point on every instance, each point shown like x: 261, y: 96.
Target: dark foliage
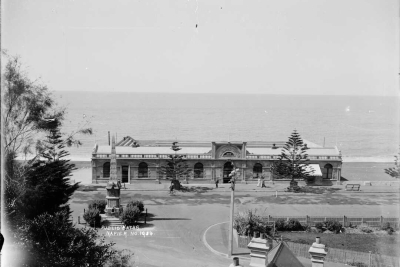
x: 333, y: 226
x: 176, y: 166
x: 293, y: 225
x: 137, y: 203
x: 246, y: 223
x: 92, y: 217
x: 330, y: 225
x: 47, y: 186
x: 130, y: 216
x: 99, y: 204
x: 51, y: 240
x: 293, y: 160
x: 280, y: 224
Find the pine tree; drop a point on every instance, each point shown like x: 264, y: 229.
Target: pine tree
x: 176, y: 166
x: 293, y: 160
x: 48, y: 186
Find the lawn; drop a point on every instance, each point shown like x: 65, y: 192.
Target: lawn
x: 379, y: 244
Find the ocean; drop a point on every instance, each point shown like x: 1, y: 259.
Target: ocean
x: 364, y: 128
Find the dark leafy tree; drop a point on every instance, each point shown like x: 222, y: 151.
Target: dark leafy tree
x: 29, y: 109
x: 293, y: 160
x: 51, y: 240
x: 47, y: 186
x: 29, y: 112
x: 395, y: 171
x: 176, y: 167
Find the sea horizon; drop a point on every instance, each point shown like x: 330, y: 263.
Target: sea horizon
x: 364, y: 128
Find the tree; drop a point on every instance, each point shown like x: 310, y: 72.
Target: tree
x: 293, y: 160
x: 47, y: 183
x: 395, y: 171
x: 52, y: 240
x: 37, y: 191
x: 176, y: 166
x: 29, y: 109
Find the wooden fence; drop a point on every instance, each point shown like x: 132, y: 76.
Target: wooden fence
x: 334, y: 254
x: 346, y: 221
x: 347, y: 256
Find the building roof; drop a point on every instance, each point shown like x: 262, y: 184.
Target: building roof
x: 320, y: 151
x: 153, y: 150
x: 128, y: 145
x: 282, y: 256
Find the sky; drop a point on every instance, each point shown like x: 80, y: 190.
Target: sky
x: 309, y: 47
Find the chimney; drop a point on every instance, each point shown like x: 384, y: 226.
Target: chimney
x: 258, y: 251
x: 318, y: 253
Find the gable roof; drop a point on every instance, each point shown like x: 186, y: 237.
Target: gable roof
x: 282, y: 256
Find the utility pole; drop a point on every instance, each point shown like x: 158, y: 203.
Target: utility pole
x: 233, y: 175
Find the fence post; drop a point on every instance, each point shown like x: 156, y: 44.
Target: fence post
x: 344, y: 221
x: 307, y: 220
x: 370, y: 259
x: 79, y: 219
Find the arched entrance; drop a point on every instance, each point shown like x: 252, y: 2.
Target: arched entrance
x: 228, y: 168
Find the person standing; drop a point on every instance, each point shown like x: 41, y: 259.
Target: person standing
x: 263, y: 184
x: 258, y: 182
x: 216, y: 182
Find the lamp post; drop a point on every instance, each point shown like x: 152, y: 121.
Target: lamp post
x: 233, y: 175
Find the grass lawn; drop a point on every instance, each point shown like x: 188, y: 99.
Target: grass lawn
x: 380, y: 244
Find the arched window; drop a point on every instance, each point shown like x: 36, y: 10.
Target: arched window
x: 143, y: 170
x: 327, y: 171
x: 228, y: 154
x: 257, y: 170
x: 198, y: 170
x: 106, y: 170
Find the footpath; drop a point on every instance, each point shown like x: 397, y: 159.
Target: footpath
x: 278, y: 188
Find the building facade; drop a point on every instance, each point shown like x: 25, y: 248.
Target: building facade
x: 141, y: 160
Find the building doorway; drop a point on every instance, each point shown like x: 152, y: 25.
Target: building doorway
x: 228, y: 168
x: 125, y: 173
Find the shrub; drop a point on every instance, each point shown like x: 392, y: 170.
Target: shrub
x: 333, y: 226
x: 280, y: 224
x: 121, y: 258
x: 99, y: 204
x: 365, y: 228
x: 385, y: 226
x: 246, y: 223
x: 319, y: 226
x: 390, y: 231
x: 92, y: 217
x: 307, y: 228
x: 130, y: 215
x: 136, y: 203
x: 293, y: 225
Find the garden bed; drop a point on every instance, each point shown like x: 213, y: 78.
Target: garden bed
x: 377, y: 243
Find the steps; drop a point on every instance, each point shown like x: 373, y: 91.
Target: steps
x: 110, y: 221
